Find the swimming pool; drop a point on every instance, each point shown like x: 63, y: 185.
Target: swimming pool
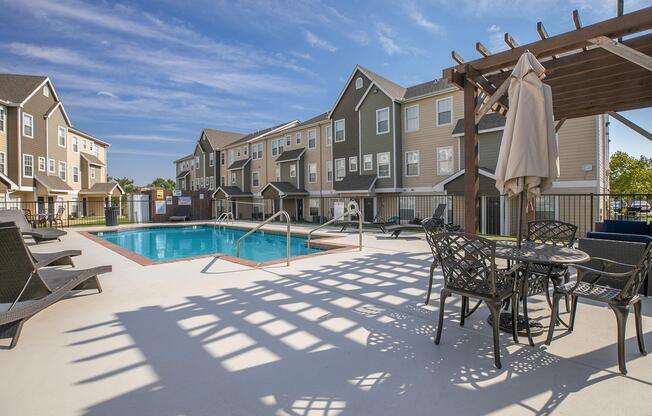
x: 161, y: 244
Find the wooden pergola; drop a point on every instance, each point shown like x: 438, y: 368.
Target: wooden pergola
x: 591, y: 71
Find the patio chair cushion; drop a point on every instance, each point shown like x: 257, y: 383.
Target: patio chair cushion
x: 640, y: 238
x: 626, y: 227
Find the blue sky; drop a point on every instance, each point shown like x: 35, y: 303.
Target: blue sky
x: 147, y: 76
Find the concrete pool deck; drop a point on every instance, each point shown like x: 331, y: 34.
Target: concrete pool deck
x: 345, y: 333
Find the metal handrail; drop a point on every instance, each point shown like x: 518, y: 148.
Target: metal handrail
x: 224, y: 216
x: 353, y: 208
x: 287, y: 220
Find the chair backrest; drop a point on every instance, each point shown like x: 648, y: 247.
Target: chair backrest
x: 60, y: 211
x: 468, y: 262
x: 432, y: 227
x: 16, y: 268
x: 558, y: 233
x: 16, y: 216
x: 636, y: 280
x: 439, y: 211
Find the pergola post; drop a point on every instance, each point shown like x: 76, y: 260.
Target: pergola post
x: 471, y: 160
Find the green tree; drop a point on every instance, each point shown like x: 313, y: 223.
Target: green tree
x: 125, y: 183
x: 162, y: 183
x: 629, y: 175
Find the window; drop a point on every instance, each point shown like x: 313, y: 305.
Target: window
x: 211, y: 159
x: 412, y: 118
x: 196, y: 162
x: 257, y: 151
x: 444, y: 111
x: 329, y: 171
x: 3, y: 163
x: 288, y: 141
x: 75, y: 174
x: 222, y: 158
x: 28, y: 166
x: 3, y: 117
x: 28, y: 125
x: 230, y: 156
x: 75, y: 144
x: 84, y: 144
x: 329, y: 135
x: 412, y: 163
x: 274, y: 147
x: 46, y: 91
x: 41, y: 164
x: 212, y: 178
x: 237, y: 152
x: 62, y: 170
x: 340, y: 169
x: 384, y: 165
x: 312, y: 139
x: 382, y: 121
x: 314, y: 207
x: 277, y: 172
x: 62, y: 136
x: 358, y: 83
x: 232, y: 178
x: 92, y: 172
x: 353, y: 164
x: 91, y: 146
x: 293, y: 171
x: 339, y: 131
x: 312, y: 172
x: 222, y: 180
x: 255, y: 179
x: 298, y: 137
x: 445, y: 160
x: 546, y: 207
x: 368, y: 162
x: 51, y: 165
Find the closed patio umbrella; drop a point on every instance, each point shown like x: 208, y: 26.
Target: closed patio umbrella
x: 528, y: 161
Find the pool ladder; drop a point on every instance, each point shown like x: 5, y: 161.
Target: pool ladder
x: 225, y: 216
x: 278, y: 214
x: 352, y: 209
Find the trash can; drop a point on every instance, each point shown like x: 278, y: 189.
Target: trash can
x: 111, y: 216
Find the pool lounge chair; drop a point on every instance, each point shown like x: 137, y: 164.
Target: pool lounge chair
x: 59, y: 258
x: 377, y: 223
x: 38, y: 234
x: 182, y: 213
x: 26, y: 290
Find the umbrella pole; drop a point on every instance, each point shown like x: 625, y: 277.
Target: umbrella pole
x: 519, y: 228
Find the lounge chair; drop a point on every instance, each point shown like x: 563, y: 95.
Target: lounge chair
x: 38, y: 234
x: 397, y: 229
x: 26, y: 290
x: 59, y: 258
x: 182, y: 213
x: 377, y: 223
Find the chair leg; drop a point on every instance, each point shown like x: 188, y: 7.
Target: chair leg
x: 554, y: 315
x: 12, y: 330
x: 432, y: 274
x: 495, y: 314
x: 573, y: 313
x: 442, y: 302
x: 621, y: 313
x: 639, y: 327
x: 527, y: 322
x: 515, y: 317
x: 566, y: 280
x: 465, y: 303
x: 91, y: 283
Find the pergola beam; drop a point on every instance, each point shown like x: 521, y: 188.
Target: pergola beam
x: 577, y: 22
x: 638, y: 129
x: 543, y: 33
x: 623, y: 51
x: 510, y: 41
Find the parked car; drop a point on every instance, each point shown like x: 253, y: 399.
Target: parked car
x: 642, y: 206
x: 618, y: 204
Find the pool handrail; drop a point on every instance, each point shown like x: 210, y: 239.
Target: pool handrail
x: 353, y: 208
x: 226, y: 216
x: 279, y: 213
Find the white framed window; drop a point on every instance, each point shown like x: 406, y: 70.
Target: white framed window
x: 329, y: 135
x: 313, y: 207
x: 412, y: 163
x: 329, y: 171
x: 51, y: 165
x: 91, y: 146
x: 298, y: 137
x: 274, y: 147
x: 293, y: 171
x: 230, y: 156
x: 255, y: 179
x: 28, y: 166
x: 237, y: 152
x: 62, y: 170
x: 222, y: 158
x: 412, y: 118
x: 340, y: 169
x: 46, y: 91
x: 257, y: 151
x: 3, y: 162
x: 196, y: 162
x: 41, y: 164
x: 233, y: 178
x: 211, y: 159
x: 340, y: 134
x: 28, y: 125
x: 384, y: 165
x: 277, y: 172
x: 368, y: 162
x: 222, y: 180
x: 382, y: 120
x: 92, y: 172
x: 3, y: 118
x: 358, y: 83
x: 75, y: 174
x: 75, y: 144
x: 444, y: 111
x: 353, y: 164
x: 445, y: 160
x: 212, y: 179
x: 61, y: 136
x: 312, y: 138
x: 312, y: 172
x: 245, y: 150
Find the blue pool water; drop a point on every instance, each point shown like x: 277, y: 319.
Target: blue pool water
x: 170, y: 243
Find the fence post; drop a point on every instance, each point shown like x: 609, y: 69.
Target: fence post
x: 592, y: 224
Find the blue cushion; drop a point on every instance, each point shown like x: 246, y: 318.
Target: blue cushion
x: 625, y: 227
x: 639, y: 238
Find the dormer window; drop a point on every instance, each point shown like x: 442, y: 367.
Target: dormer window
x: 358, y: 83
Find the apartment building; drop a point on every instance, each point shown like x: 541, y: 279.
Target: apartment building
x: 385, y: 145
x: 43, y: 158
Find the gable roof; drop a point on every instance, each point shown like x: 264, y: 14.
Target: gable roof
x: 103, y: 188
x: 91, y: 159
x: 52, y: 183
x: 221, y: 138
x: 4, y: 178
x: 440, y: 186
x: 17, y: 88
x: 63, y: 111
x: 427, y: 88
x: 285, y: 189
x: 356, y: 183
x: 231, y: 192
x: 88, y: 136
x: 490, y: 122
x: 265, y: 132
x: 316, y: 119
x: 238, y: 164
x: 290, y: 155
x: 190, y: 156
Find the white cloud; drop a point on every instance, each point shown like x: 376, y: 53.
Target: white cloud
x: 51, y: 54
x: 301, y: 55
x: 106, y: 94
x: 493, y: 28
x: 359, y: 37
x: 386, y: 39
x: 140, y: 153
x: 317, y: 42
x: 147, y: 138
x: 421, y: 20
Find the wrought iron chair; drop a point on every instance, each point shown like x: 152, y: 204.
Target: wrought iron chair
x: 469, y: 266
x: 432, y: 227
x: 617, y: 290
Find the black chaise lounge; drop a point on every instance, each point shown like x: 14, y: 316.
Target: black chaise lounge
x: 182, y: 213
x: 26, y: 290
x: 59, y: 258
x: 38, y: 234
x: 376, y: 223
x: 397, y: 229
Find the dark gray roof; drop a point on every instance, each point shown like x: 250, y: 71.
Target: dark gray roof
x: 186, y: 157
x: 52, y: 183
x: 287, y: 188
x: 316, y: 119
x: 290, y: 155
x: 353, y: 182
x: 183, y: 174
x: 15, y: 88
x: 102, y: 188
x: 393, y: 89
x: 426, y: 88
x: 232, y: 192
x: 219, y: 138
x: 258, y: 133
x: 91, y: 159
x: 239, y: 164
x: 489, y: 121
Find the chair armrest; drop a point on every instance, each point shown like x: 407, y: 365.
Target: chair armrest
x: 585, y: 269
x: 607, y: 263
